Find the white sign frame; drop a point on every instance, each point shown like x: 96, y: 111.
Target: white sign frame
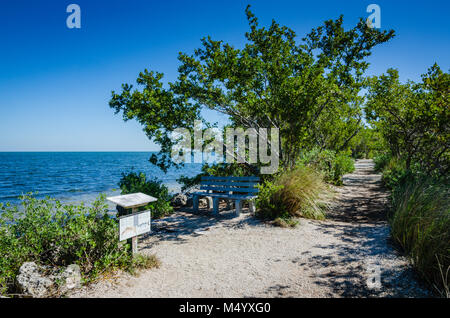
x: 135, y: 224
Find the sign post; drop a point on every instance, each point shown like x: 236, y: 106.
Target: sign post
x: 134, y: 240
x: 136, y: 223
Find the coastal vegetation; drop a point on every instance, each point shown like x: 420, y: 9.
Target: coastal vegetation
x: 138, y: 182
x: 55, y: 235
x: 309, y: 90
x: 332, y: 165
x: 413, y: 119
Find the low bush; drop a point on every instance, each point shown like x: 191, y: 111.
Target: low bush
x: 394, y: 172
x: 381, y: 161
x: 267, y: 202
x: 296, y: 193
x: 333, y: 165
x: 420, y: 224
x: 52, y: 234
x: 367, y: 143
x: 343, y: 163
x: 138, y: 182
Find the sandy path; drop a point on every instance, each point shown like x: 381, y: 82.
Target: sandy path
x: 241, y: 257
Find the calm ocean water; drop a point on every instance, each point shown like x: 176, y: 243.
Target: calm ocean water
x: 76, y: 176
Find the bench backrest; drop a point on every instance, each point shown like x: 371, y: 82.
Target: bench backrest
x: 230, y: 184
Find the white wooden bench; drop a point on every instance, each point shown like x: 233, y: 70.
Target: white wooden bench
x: 236, y: 189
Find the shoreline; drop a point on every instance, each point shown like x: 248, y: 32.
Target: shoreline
x: 78, y: 176
x: 87, y: 197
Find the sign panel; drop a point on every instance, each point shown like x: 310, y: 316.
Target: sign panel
x: 132, y: 200
x: 134, y: 224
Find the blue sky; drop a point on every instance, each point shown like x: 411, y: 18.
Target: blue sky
x: 55, y: 82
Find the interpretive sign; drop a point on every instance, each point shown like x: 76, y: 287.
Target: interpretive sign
x: 134, y: 224
x: 132, y: 200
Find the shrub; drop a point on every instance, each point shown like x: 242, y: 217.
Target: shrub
x: 342, y: 164
x: 49, y: 233
x: 381, y: 161
x: 420, y: 223
x: 395, y: 172
x: 367, y: 143
x: 266, y: 203
x: 333, y: 165
x: 296, y: 193
x: 138, y: 182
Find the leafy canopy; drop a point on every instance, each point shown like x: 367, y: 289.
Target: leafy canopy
x: 308, y: 90
x: 413, y: 117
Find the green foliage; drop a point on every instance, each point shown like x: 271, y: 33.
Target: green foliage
x: 333, y: 165
x: 367, y: 144
x: 420, y: 223
x: 395, y: 172
x: 342, y: 164
x: 50, y: 233
x: 295, y: 193
x: 381, y: 161
x: 266, y: 203
x: 138, y: 182
x: 413, y: 118
x: 158, y: 110
x: 309, y: 90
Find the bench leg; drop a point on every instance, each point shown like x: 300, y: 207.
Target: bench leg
x: 252, y: 206
x: 209, y: 203
x: 230, y: 202
x: 195, y: 203
x: 238, y: 207
x: 216, y: 206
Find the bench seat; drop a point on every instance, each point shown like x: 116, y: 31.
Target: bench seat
x: 226, y: 196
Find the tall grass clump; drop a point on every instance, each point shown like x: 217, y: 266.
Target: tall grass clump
x: 54, y: 235
x: 296, y: 193
x: 420, y: 224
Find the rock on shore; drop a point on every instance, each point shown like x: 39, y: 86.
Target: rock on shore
x: 32, y: 280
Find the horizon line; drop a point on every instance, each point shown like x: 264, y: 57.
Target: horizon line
x: 78, y: 151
